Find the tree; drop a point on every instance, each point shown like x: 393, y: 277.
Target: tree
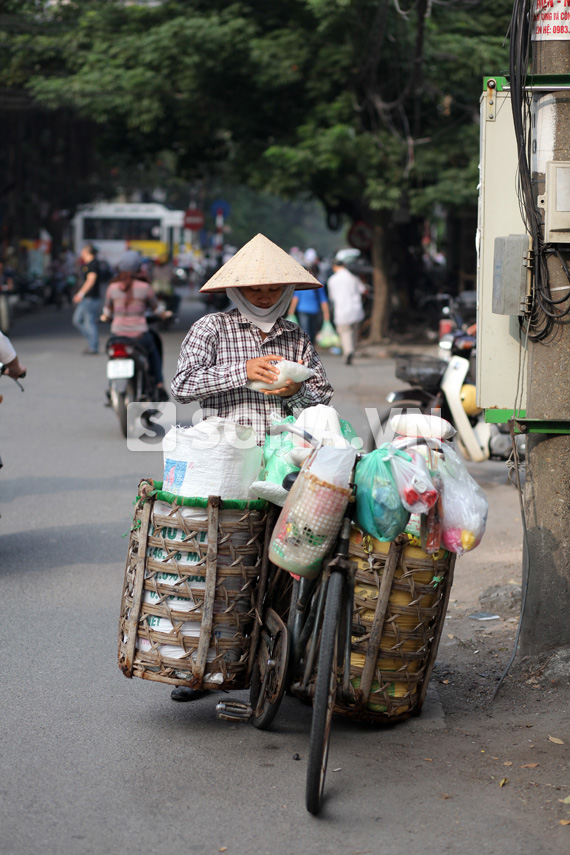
x: 369, y: 108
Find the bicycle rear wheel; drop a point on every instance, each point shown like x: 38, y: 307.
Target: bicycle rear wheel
x: 325, y: 693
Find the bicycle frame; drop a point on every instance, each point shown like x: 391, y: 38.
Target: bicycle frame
x: 308, y: 608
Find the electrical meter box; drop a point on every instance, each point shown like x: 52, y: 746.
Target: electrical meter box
x: 556, y: 202
x: 499, y: 355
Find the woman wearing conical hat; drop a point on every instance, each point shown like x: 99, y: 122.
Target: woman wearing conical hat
x: 224, y: 351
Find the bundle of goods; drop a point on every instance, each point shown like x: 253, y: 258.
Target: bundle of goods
x: 420, y: 485
x: 285, y: 453
x: 215, y: 457
x: 400, y: 600
x: 309, y: 523
x: 195, y: 567
x: 417, y: 508
x: 191, y: 589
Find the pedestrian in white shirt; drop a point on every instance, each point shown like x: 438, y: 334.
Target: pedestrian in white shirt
x: 345, y: 292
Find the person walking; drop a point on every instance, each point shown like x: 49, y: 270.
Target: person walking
x: 311, y: 309
x: 345, y: 293
x: 87, y: 300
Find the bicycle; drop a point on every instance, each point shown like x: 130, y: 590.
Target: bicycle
x: 320, y: 612
x: 311, y: 655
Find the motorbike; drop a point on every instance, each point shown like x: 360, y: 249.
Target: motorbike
x: 445, y: 387
x: 129, y: 375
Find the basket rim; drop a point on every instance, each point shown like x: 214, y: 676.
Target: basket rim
x: 156, y: 492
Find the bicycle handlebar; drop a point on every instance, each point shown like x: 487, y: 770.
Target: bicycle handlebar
x: 274, y: 430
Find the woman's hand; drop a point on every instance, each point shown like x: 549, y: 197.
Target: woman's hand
x: 262, y: 369
x: 286, y: 391
x: 290, y: 388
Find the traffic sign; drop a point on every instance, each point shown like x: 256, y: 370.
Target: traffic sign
x: 193, y: 219
x: 360, y: 235
x: 220, y: 206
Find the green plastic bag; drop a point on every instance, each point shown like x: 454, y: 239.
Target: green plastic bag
x: 293, y: 318
x: 276, y: 450
x: 379, y: 511
x: 327, y: 336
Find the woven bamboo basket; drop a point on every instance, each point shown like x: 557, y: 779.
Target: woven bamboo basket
x: 400, y: 600
x: 194, y: 581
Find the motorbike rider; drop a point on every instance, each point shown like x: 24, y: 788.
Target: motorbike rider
x: 127, y: 300
x: 9, y: 359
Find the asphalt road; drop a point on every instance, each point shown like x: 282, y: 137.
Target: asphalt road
x: 94, y: 763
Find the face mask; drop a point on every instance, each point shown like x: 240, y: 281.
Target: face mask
x: 264, y: 319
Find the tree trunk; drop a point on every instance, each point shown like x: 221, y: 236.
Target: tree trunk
x: 380, y: 318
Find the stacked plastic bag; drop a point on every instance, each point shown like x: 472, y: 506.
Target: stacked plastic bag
x: 419, y: 484
x: 285, y: 453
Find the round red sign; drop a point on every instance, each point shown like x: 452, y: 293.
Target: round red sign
x: 193, y: 219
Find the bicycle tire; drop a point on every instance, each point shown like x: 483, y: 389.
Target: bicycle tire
x: 273, y: 694
x: 325, y: 693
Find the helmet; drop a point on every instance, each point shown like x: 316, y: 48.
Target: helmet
x: 467, y: 396
x: 130, y: 262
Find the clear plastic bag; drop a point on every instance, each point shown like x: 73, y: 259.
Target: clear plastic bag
x: 412, y: 478
x: 379, y: 511
x: 327, y: 336
x: 465, y: 506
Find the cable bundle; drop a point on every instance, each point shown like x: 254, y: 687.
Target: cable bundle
x: 545, y: 312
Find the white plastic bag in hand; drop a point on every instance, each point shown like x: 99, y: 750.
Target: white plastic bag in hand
x: 286, y: 370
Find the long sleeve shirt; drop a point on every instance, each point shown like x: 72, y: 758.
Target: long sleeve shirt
x: 212, y: 370
x: 345, y: 293
x: 7, y: 352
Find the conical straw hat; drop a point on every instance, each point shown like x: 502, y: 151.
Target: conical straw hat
x: 260, y: 262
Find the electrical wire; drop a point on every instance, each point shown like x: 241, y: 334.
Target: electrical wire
x: 546, y: 313
x: 526, y: 567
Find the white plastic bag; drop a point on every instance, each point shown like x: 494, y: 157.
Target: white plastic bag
x: 422, y: 425
x: 216, y: 457
x: 415, y: 488
x: 286, y: 370
x: 465, y: 506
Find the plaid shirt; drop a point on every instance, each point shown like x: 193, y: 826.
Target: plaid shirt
x: 212, y: 370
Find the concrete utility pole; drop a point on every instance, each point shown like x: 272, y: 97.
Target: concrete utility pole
x: 546, y: 623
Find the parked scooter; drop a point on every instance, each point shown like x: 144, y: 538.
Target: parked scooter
x: 129, y: 374
x: 446, y: 387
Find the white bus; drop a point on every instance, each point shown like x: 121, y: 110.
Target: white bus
x: 113, y: 227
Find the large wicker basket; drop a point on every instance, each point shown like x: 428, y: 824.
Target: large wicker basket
x: 400, y: 601
x: 193, y: 582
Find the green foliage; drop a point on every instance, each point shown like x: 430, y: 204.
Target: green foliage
x: 349, y: 100
x: 366, y: 107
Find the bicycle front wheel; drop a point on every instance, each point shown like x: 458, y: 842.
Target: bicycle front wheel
x: 325, y: 693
